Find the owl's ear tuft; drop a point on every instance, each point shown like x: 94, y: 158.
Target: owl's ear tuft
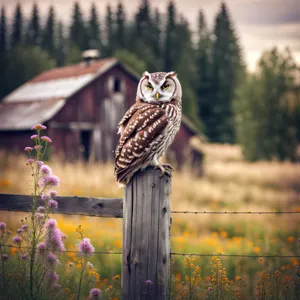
x: 172, y: 74
x: 146, y: 74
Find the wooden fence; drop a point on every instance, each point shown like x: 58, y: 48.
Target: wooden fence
x: 146, y: 229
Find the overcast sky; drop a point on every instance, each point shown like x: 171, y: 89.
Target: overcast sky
x: 260, y: 24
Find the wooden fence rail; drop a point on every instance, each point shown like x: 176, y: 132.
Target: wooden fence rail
x: 146, y: 230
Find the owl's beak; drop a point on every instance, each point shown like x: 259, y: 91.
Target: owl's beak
x: 157, y: 96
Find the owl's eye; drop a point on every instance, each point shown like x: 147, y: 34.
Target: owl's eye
x: 165, y: 86
x: 149, y: 86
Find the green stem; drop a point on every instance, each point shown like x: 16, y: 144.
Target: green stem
x: 80, y: 280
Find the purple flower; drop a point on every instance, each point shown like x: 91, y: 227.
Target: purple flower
x: 149, y: 282
x: 4, y: 257
x: 39, y: 163
x: 51, y: 224
x: 17, y: 240
x: 25, y: 256
x: 95, y: 294
x: 42, y: 247
x: 45, y: 197
x: 24, y: 227
x: 19, y: 231
x: 51, y: 180
x: 38, y: 127
x: 46, y: 139
x: 34, y: 137
x: 52, y: 204
x: 52, y: 276
x: 30, y: 161
x: 2, y: 225
x: 210, y: 289
x: 53, y: 194
x: 52, y: 259
x: 86, y: 248
x: 54, y: 240
x: 29, y: 149
x: 45, y: 170
x: 38, y: 147
x: 41, y: 209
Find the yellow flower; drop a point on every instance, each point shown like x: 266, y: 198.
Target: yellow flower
x: 256, y: 249
x: 291, y: 239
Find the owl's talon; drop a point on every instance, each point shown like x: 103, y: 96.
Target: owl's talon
x: 165, y: 169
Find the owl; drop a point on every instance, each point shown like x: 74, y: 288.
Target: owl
x: 149, y: 126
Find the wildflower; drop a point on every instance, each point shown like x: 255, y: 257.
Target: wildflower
x: 45, y: 197
x: 117, y: 277
x: 52, y: 259
x: 53, y: 194
x: 86, y: 248
x: 2, y: 225
x: 89, y: 265
x: 210, y: 289
x: 29, y: 149
x: 42, y: 246
x: 46, y: 139
x: 38, y: 127
x: 24, y: 227
x: 34, y: 137
x: 19, y: 231
x: 45, y: 170
x: 4, y: 257
x: 39, y: 163
x: 52, y: 204
x: 95, y: 294
x: 54, y: 240
x: 51, y: 224
x: 38, y: 147
x: 30, y: 161
x: 25, y: 256
x: 56, y: 286
x: 17, y: 240
x: 51, y: 180
x: 52, y: 276
x: 41, y: 209
x: 148, y: 282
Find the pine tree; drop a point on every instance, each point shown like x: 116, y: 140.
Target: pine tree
x: 203, y: 53
x: 227, y: 69
x: 265, y: 112
x: 120, y: 27
x: 170, y: 54
x: 94, y: 29
x: 33, y: 31
x: 17, y: 33
x: 48, y: 37
x: 3, y: 33
x: 157, y: 39
x: 78, y: 36
x: 110, y: 32
x: 60, y: 54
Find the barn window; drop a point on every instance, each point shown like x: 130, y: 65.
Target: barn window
x: 117, y: 85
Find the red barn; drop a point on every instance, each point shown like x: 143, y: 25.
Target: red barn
x: 81, y: 106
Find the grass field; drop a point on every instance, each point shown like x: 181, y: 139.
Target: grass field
x: 229, y: 184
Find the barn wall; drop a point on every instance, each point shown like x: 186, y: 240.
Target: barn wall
x: 15, y: 141
x: 100, y: 107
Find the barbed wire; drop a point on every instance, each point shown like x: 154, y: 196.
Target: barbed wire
x: 176, y: 253
x: 236, y: 212
x: 235, y: 255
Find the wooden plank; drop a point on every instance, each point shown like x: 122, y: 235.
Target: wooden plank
x: 146, y: 239
x: 70, y: 205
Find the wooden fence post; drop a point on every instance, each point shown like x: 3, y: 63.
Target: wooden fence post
x: 146, y: 237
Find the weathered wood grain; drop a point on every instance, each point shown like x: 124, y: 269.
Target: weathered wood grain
x: 71, y: 205
x: 146, y: 243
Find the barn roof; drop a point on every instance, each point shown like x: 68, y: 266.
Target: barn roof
x: 59, y: 83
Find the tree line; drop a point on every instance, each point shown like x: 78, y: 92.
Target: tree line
x: 218, y: 92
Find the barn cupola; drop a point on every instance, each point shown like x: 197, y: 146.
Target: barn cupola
x: 89, y: 56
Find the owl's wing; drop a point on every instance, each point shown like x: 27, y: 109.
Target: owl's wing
x: 139, y: 135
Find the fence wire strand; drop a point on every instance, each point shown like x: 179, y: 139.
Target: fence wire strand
x: 236, y: 212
